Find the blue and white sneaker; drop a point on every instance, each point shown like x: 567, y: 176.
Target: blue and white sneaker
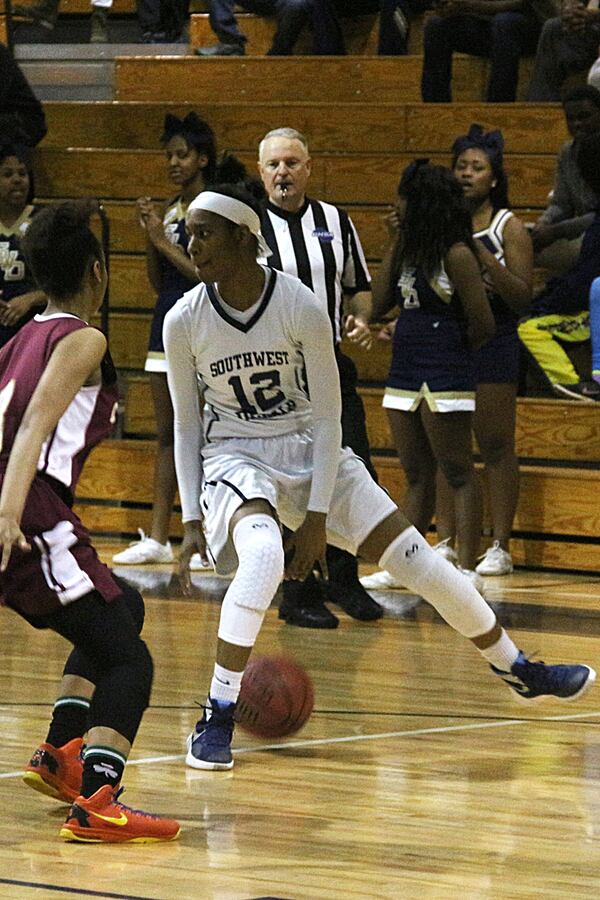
x: 209, y: 745
x: 533, y: 681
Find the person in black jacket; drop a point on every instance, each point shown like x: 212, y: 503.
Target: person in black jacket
x: 21, y: 115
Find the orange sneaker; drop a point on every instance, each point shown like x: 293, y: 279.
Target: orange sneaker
x: 102, y: 819
x: 56, y: 771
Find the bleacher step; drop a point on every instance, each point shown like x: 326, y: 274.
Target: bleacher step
x: 93, y: 52
x: 80, y: 71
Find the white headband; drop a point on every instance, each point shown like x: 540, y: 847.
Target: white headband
x: 234, y: 210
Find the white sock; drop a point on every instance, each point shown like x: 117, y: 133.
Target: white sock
x: 225, y: 684
x: 410, y: 559
x: 503, y: 653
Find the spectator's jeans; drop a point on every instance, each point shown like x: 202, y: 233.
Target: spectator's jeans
x: 559, y: 54
x: 292, y: 17
x: 504, y: 38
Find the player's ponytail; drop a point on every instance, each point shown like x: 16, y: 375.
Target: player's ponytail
x: 60, y: 247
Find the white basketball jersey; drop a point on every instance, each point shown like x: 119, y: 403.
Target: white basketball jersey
x: 252, y: 372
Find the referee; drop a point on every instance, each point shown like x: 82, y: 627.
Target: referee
x: 318, y: 243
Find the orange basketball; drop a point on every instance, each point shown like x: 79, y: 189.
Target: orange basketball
x: 276, y: 697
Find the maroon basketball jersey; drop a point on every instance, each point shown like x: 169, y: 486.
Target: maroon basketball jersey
x: 89, y: 417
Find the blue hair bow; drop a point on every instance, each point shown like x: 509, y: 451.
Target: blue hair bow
x: 491, y: 142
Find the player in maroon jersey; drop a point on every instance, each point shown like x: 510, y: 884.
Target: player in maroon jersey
x: 57, y: 401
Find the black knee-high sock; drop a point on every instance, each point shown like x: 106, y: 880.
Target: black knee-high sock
x: 69, y: 720
x: 101, y: 765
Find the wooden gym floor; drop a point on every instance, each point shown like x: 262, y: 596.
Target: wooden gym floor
x: 416, y: 777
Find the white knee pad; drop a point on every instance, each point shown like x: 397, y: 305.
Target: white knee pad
x: 258, y: 543
x: 412, y: 562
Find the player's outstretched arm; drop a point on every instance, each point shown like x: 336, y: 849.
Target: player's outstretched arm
x: 72, y: 365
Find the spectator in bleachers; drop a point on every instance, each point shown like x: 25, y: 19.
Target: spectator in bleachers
x: 21, y: 114
x: 19, y: 297
x: 568, y: 46
x: 560, y: 314
x: 292, y: 17
x: 191, y: 153
x: 558, y: 233
x: 45, y: 14
x: 394, y: 21
x: 501, y: 30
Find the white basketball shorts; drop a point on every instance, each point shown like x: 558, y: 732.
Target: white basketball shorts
x: 279, y: 470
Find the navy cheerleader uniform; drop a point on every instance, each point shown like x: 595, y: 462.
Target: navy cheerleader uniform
x: 431, y: 358
x: 497, y: 362
x: 15, y: 280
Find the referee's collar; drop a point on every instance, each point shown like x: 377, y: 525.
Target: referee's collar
x: 284, y: 214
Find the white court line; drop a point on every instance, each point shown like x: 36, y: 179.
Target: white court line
x: 354, y: 738
x: 541, y: 590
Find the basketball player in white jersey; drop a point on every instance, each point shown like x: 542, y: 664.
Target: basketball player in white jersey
x: 255, y: 390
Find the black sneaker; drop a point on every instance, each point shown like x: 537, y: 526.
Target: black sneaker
x: 354, y: 600
x: 303, y: 605
x: 221, y: 50
x: 535, y: 680
x: 584, y: 391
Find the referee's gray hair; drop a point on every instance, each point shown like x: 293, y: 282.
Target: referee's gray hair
x: 290, y: 133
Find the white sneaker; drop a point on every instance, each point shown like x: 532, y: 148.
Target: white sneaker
x: 475, y: 579
x: 196, y: 564
x: 380, y: 581
x: 146, y: 550
x: 445, y: 550
x: 495, y: 561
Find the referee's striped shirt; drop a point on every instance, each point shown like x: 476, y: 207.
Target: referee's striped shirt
x: 319, y: 245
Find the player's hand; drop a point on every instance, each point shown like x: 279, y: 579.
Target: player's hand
x: 358, y: 331
x: 309, y: 544
x: 11, y: 536
x: 193, y: 542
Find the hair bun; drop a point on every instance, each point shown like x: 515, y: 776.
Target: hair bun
x: 71, y: 216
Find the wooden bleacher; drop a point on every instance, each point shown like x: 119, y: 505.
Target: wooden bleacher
x: 362, y: 134
x: 376, y: 127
